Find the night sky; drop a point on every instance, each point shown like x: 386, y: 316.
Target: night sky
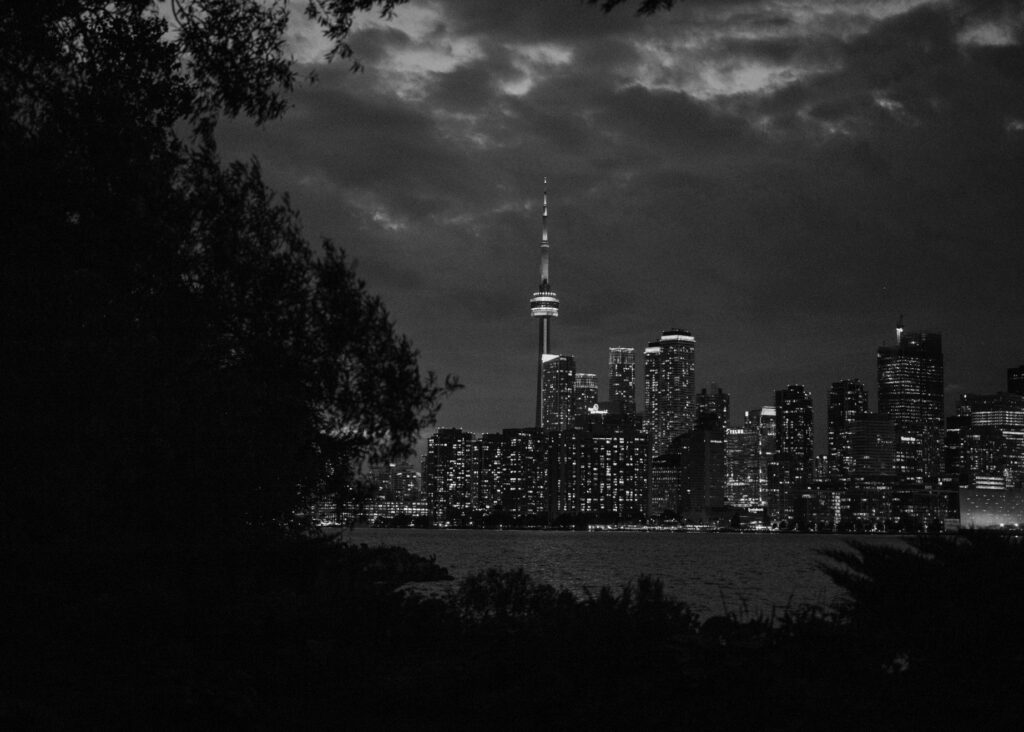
x: 782, y: 179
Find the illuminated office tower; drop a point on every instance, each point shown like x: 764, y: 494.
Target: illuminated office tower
x: 447, y: 476
x: 558, y: 385
x: 762, y: 423
x: 652, y: 354
x: 669, y: 398
x: 741, y: 465
x: 622, y: 377
x: 584, y: 393
x: 847, y: 399
x: 543, y: 306
x: 992, y: 453
x: 714, y: 402
x: 1015, y: 380
x: 794, y: 432
x: 872, y: 448
x: 910, y: 391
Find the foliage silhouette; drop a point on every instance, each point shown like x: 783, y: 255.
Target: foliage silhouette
x: 183, y: 366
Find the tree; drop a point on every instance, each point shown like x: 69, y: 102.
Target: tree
x: 182, y: 364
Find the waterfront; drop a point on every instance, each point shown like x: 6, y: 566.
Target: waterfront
x: 745, y: 573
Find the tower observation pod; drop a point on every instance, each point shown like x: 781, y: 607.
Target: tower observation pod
x: 544, y: 302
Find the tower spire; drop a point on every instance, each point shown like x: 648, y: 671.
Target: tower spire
x: 544, y: 302
x: 545, y: 245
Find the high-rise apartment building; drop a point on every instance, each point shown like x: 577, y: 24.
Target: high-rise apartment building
x: 910, y: 391
x: 714, y: 402
x: 847, y: 400
x: 622, y: 377
x: 448, y: 476
x: 584, y: 393
x: 617, y: 466
x: 558, y: 387
x: 669, y: 392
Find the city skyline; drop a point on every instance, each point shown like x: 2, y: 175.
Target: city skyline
x: 783, y: 181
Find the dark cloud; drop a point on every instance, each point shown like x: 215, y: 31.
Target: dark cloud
x: 782, y: 180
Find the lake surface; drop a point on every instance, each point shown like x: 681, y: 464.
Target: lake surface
x: 745, y: 573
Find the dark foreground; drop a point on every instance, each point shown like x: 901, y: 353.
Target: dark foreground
x: 310, y: 633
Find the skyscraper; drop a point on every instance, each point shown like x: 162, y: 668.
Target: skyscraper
x: 622, y: 377
x: 705, y: 468
x: 557, y: 387
x: 846, y: 400
x: 714, y: 402
x: 762, y: 423
x: 584, y: 393
x: 741, y: 465
x: 794, y: 431
x: 992, y: 456
x: 669, y: 398
x: 543, y: 305
x: 872, y: 447
x: 910, y: 391
x: 447, y: 476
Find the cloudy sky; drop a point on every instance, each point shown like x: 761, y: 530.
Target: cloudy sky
x: 783, y: 179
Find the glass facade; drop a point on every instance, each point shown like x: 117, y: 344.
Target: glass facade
x: 910, y: 391
x: 622, y: 377
x: 558, y: 382
x: 847, y: 400
x: 669, y: 392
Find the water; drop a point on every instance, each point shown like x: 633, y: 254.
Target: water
x: 745, y: 573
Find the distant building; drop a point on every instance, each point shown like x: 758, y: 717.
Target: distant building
x: 741, y: 468
x: 667, y: 483
x: 1015, y: 380
x: 714, y: 402
x: 448, y: 477
x: 790, y: 471
x: 544, y: 306
x: 488, y: 452
x: 705, y: 469
x: 558, y: 387
x: 847, y: 400
x: 622, y: 377
x: 525, y: 473
x: 669, y: 392
x: 910, y: 391
x: 991, y: 509
x: 991, y: 441
x: 584, y: 394
x: 794, y: 430
x: 873, y: 447
x: 762, y: 423
x: 617, y: 465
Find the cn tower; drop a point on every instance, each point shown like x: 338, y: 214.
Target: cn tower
x: 543, y: 303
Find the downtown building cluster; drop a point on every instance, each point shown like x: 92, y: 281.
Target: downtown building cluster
x: 681, y: 459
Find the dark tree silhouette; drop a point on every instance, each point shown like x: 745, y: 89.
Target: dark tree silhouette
x: 181, y: 364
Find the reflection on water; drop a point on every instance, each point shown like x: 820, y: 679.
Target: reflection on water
x: 713, y: 573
